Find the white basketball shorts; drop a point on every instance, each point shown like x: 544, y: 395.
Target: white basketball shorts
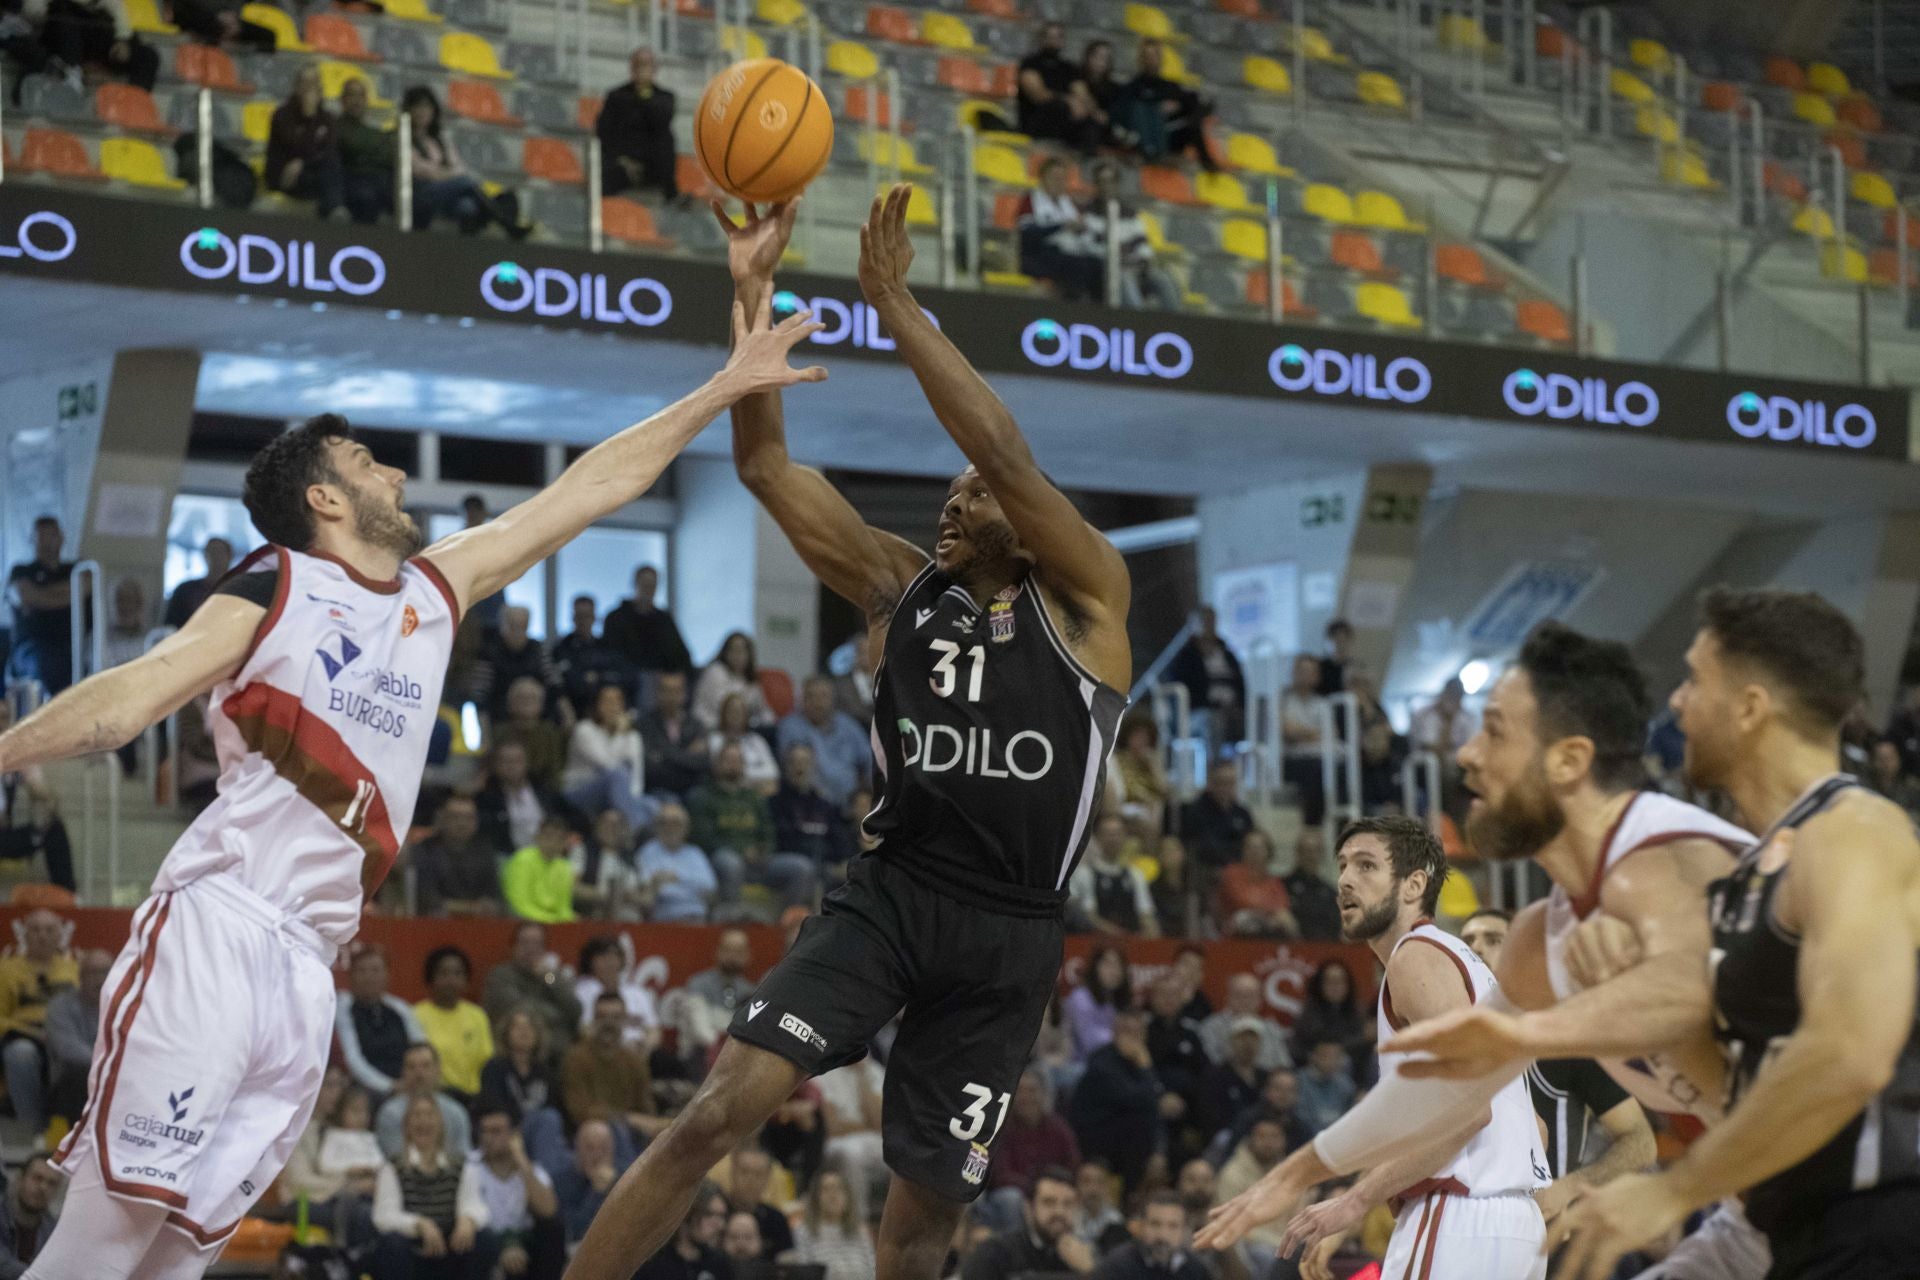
x: 1725, y: 1247
x: 214, y: 1029
x: 1450, y: 1237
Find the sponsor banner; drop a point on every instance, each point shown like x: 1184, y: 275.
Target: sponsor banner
x: 66, y: 235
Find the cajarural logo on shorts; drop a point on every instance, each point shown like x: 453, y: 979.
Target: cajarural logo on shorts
x: 149, y: 1131
x: 939, y: 748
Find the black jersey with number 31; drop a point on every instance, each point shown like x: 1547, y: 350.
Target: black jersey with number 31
x: 991, y: 738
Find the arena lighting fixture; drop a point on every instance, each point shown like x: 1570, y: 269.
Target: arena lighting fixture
x: 470, y: 726
x: 1473, y: 676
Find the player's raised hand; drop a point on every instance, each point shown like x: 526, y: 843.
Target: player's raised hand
x: 886, y: 250
x: 1608, y: 1222
x: 1463, y: 1045
x: 1260, y: 1203
x: 760, y: 350
x: 754, y: 246
x: 1600, y: 948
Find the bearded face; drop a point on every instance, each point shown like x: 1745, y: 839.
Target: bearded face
x: 1520, y: 822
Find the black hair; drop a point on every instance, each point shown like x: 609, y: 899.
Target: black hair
x: 275, y: 490
x: 1317, y: 987
x: 605, y: 996
x: 1339, y: 625
x: 1164, y: 1200
x: 435, y: 956
x: 1119, y: 999
x: 1498, y: 913
x: 1799, y: 641
x: 597, y: 946
x: 489, y: 1106
x: 1054, y: 1173
x: 1590, y: 689
x: 417, y: 94
x: 1410, y: 848
x: 42, y: 521
x: 474, y: 499
x: 752, y: 672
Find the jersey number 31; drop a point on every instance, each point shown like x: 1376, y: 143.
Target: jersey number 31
x: 946, y: 675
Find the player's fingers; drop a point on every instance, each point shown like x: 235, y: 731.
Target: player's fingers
x: 788, y: 212
x: 721, y: 216
x: 873, y: 212
x: 813, y: 373
x: 739, y: 320
x: 793, y: 321
x: 753, y: 214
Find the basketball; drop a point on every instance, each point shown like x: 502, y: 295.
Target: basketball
x: 763, y: 131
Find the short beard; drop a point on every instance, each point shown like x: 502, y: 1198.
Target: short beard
x: 1522, y: 824
x: 992, y: 545
x: 1377, y: 920
x: 378, y: 526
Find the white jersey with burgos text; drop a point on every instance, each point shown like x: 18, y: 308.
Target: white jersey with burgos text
x: 322, y: 738
x: 1504, y: 1157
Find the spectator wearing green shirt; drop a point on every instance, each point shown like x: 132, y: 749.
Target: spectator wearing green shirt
x: 538, y: 880
x: 732, y: 822
x: 366, y: 156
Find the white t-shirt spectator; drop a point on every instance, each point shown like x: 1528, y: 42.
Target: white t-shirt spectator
x: 1061, y: 212
x: 762, y: 769
x: 505, y: 1198
x: 716, y: 682
x: 1433, y: 732
x: 686, y: 896
x: 639, y: 1001
x: 1300, y: 714
x: 592, y: 751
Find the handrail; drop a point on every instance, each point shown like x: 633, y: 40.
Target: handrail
x: 403, y: 171
x: 1150, y: 677
x: 203, y: 146
x: 1421, y: 766
x: 1339, y: 757
x: 1173, y: 717
x: 83, y: 638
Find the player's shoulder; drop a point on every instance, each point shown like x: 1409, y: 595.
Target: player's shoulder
x: 1859, y: 815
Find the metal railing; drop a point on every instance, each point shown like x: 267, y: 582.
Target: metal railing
x: 1420, y: 780
x: 87, y: 616
x: 1173, y: 718
x: 1339, y: 763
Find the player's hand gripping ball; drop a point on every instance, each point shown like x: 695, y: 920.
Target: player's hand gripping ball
x: 763, y: 130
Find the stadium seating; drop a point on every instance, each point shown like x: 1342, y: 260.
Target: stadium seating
x: 137, y: 163
x: 1385, y: 304
x: 335, y: 36
x: 851, y: 60
x: 277, y: 20
x: 471, y: 55
x: 479, y: 101
x: 58, y: 153
x: 144, y: 17
x: 553, y: 161
x: 1538, y: 318
x: 631, y: 222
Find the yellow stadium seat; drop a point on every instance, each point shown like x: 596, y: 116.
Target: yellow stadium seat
x: 851, y: 59
x: 1814, y: 221
x: 256, y: 120
x: 1650, y: 55
x: 1457, y: 898
x: 335, y: 75
x: 144, y: 17
x: 779, y: 13
x: 968, y: 114
x: 1224, y: 191
x: 285, y: 34
x: 1244, y: 238
x: 1326, y: 202
x: 1150, y: 22
x: 1686, y: 168
x: 1006, y: 280
x: 1174, y: 67
x: 1199, y: 302
x: 471, y: 55
x: 1843, y: 262
x: 888, y: 152
x: 1254, y: 154
x: 1654, y: 122
x: 1824, y: 77
x: 1315, y: 45
x: 1378, y: 89
x: 1630, y: 86
x: 742, y: 43
x: 999, y: 163
x: 1874, y: 189
x: 1157, y: 235
x: 140, y: 163
x: 412, y: 11
x: 1383, y: 211
x: 1457, y: 31
x: 945, y: 31
x: 1269, y: 75
x: 1814, y: 109
x: 920, y: 210
x: 1386, y: 304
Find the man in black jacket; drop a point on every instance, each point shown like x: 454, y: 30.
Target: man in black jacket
x: 512, y: 804
x: 676, y: 745
x: 636, y: 133
x: 804, y: 821
x: 1044, y: 1242
x: 1160, y: 1251
x: 26, y: 1215
x: 646, y: 637
x: 1119, y: 1103
x: 1216, y: 685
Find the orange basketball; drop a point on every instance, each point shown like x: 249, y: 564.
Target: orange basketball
x: 763, y: 131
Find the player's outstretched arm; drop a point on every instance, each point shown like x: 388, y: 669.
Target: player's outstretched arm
x: 480, y: 561
x: 1078, y: 561
x: 106, y: 710
x: 866, y: 566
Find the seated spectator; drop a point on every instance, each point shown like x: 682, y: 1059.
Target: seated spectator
x: 455, y: 1026
x: 850, y: 1099
x: 1195, y: 1187
x: 712, y: 994
x: 1245, y: 999
x: 606, y: 884
x: 1229, y: 1087
x: 853, y: 692
x: 795, y: 1135
x: 1102, y: 1224
x: 1105, y: 990
x: 527, y: 723
x: 1048, y: 108
x: 1887, y: 774
x: 1033, y: 1139
x: 675, y: 872
x: 78, y: 32
x: 742, y: 1245
x: 29, y: 980
x: 1445, y: 725
x: 1253, y: 900
x: 126, y: 637
x: 805, y: 821
x: 1108, y: 888
x: 73, y: 1021
x: 1302, y: 731
x: 1103, y: 99
x: 420, y: 1078
x: 602, y: 1078
x: 1264, y: 1147
x: 530, y: 979
x: 1214, y: 822
x: 751, y: 1171
x: 191, y: 594
x: 428, y: 1205
x: 303, y: 149
x: 1174, y: 891
x: 582, y: 1187
x: 1169, y: 118
x: 605, y: 762
x: 694, y: 1252
x: 677, y: 759
x: 732, y: 822
x: 366, y: 157
x: 375, y: 1028
x: 1173, y: 1040
x: 843, y: 757
x: 511, y: 806
x: 1315, y: 902
x: 1326, y: 1086
x: 517, y: 1076
x: 1044, y: 1241
x: 335, y: 1165
x: 1279, y: 1100
x: 1053, y: 239
x: 537, y: 881
x: 756, y: 756
x: 830, y: 1233
x: 1216, y: 685
x: 635, y: 129
x: 585, y: 662
x: 1160, y: 1250
x: 442, y: 188
x: 1382, y: 751
x: 644, y: 635
x: 1119, y: 1103
x: 456, y: 872
x: 1143, y: 777
x: 1190, y: 966
x: 606, y: 968
x: 1331, y: 1011
x: 218, y: 22
x: 523, y: 1212
x: 27, y: 1215
x: 31, y: 829
x: 1143, y: 281
x: 733, y: 670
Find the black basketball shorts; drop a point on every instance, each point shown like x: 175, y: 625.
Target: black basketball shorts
x: 974, y: 984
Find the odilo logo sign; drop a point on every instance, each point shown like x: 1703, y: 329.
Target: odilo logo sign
x: 44, y: 236
x: 1850, y: 426
x: 1562, y: 398
x: 1050, y: 344
x: 548, y: 291
x: 1405, y: 379
x: 210, y: 254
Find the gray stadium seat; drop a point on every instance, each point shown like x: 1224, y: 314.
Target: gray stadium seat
x: 1490, y: 313
x: 406, y: 46
x: 537, y: 62
x: 486, y: 150
x: 1329, y: 295
x: 560, y: 213
x: 547, y: 110
x: 55, y: 99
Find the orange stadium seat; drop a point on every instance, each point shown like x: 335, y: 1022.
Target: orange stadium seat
x: 1356, y: 251
x: 333, y: 35
x: 1240, y: 8
x: 1782, y: 181
x: 776, y: 685
x: 1784, y: 72
x: 1860, y: 112
x: 57, y: 152
x: 1853, y: 152
x: 884, y: 22
x: 478, y: 100
x: 1550, y: 41
x: 205, y: 65
x: 963, y: 75
x: 1006, y: 210
x: 1290, y: 305
x: 868, y: 106
x: 586, y: 111
x: 691, y: 178
x: 1164, y: 182
x: 994, y: 8
x: 129, y: 108
x: 1544, y: 320
x: 1883, y: 267
x: 1890, y: 229
x: 1462, y: 264
x: 631, y: 222
x: 1004, y: 81
x: 553, y: 160
x: 1718, y: 95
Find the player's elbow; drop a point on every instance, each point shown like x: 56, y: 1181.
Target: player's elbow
x: 1856, y: 1078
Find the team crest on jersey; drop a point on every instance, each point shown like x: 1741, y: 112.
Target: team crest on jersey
x: 1000, y: 614
x: 409, y: 622
x: 974, y: 1171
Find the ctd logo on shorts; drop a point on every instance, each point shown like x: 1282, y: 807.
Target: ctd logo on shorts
x: 941, y: 748
x: 210, y: 254
x: 802, y: 1030
x: 1405, y: 379
x: 855, y: 324
x: 44, y: 236
x: 1756, y: 417
x: 1087, y: 347
x: 551, y: 292
x: 1557, y: 396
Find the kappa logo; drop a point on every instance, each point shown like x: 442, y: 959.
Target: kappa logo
x: 753, y: 1010
x: 802, y: 1031
x: 348, y: 652
x: 409, y: 622
x: 920, y: 617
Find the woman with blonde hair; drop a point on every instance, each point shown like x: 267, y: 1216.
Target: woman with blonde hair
x: 830, y: 1231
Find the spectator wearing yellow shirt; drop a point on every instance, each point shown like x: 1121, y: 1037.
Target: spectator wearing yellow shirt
x: 538, y: 880
x: 27, y: 981
x: 456, y: 1027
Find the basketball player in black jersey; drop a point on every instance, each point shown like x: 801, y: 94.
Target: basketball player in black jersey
x: 1816, y: 939
x: 996, y: 701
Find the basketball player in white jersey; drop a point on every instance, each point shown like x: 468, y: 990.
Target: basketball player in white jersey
x: 325, y: 655
x: 1554, y: 769
x: 1465, y: 1207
